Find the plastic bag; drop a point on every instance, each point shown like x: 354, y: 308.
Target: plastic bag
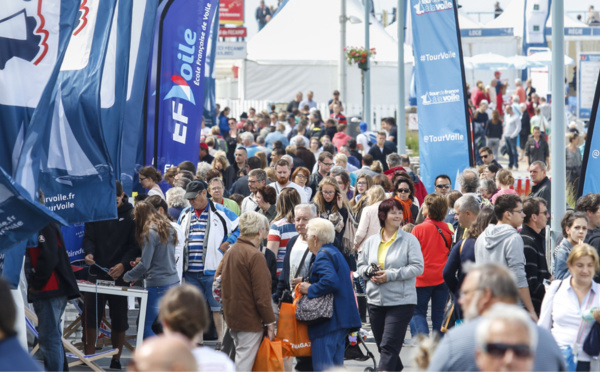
x: 293, y: 333
x: 269, y: 357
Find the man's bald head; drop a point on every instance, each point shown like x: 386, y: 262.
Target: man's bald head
x: 164, y: 353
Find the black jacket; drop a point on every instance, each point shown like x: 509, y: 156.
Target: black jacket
x: 307, y: 157
x: 593, y: 238
x: 272, y: 265
x: 240, y: 187
x: 376, y: 153
x: 50, y: 273
x: 542, y: 190
x: 536, y: 267
x: 113, y: 241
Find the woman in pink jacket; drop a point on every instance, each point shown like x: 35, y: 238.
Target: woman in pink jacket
x: 369, y: 221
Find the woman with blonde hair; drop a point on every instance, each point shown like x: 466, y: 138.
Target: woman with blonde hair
x: 369, y: 222
x: 359, y: 200
x: 283, y: 228
x: 377, y: 167
x: 329, y: 201
x: 157, y: 239
x: 570, y: 306
x: 504, y: 180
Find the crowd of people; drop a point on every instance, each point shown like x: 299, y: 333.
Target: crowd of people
x: 289, y: 199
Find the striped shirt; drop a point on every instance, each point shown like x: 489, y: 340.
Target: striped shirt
x: 281, y: 231
x: 196, y: 241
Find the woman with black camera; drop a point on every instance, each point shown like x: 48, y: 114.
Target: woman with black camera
x: 389, y: 262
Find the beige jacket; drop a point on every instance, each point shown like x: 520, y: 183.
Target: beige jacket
x: 368, y: 226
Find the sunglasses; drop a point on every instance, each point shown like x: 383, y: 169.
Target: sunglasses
x: 442, y: 186
x: 484, y: 156
x: 403, y: 191
x: 498, y: 350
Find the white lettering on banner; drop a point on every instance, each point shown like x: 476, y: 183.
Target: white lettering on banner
x: 595, y: 154
x: 10, y: 223
x: 430, y: 6
x: 439, y: 56
x: 61, y: 201
x: 444, y: 138
x: 441, y: 96
x: 475, y: 33
x: 75, y: 253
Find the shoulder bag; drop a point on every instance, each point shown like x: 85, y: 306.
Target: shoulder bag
x: 315, y: 310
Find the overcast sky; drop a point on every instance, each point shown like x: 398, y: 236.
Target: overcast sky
x: 468, y: 6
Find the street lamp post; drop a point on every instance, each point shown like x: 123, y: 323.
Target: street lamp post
x: 367, y: 72
x: 401, y: 99
x: 342, y: 62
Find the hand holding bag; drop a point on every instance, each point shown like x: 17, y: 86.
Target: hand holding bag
x: 293, y: 333
x: 315, y: 310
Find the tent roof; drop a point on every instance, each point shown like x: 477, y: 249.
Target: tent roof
x: 513, y: 17
x: 307, y: 31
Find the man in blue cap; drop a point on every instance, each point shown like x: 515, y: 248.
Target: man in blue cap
x: 365, y: 139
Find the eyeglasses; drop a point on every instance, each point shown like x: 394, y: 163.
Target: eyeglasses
x: 252, y: 182
x: 521, y: 211
x: 328, y: 192
x: 484, y: 156
x: 442, y: 186
x: 403, y: 191
x: 361, y: 184
x: 301, y: 176
x: 327, y: 164
x: 143, y: 178
x: 498, y: 350
x: 546, y: 212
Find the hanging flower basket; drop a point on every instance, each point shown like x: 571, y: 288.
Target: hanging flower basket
x: 359, y: 56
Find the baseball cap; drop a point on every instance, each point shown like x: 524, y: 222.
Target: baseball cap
x: 193, y: 188
x: 362, y: 126
x: 497, y: 73
x: 244, y: 115
x: 203, y: 146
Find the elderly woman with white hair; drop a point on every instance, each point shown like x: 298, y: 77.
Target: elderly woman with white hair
x: 246, y: 285
x: 329, y: 274
x: 176, y: 201
x: 506, y: 340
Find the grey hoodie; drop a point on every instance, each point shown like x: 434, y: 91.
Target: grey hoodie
x: 502, y: 244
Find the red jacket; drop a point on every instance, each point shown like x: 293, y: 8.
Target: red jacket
x: 420, y: 190
x: 340, y: 139
x: 435, y: 250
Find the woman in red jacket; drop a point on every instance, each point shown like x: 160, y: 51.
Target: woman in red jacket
x: 436, y: 239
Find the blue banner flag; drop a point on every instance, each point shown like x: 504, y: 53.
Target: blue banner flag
x: 534, y: 24
x: 64, y: 152
x: 33, y: 39
x: 114, y: 81
x: 178, y: 71
x: 142, y: 30
x: 441, y: 105
x: 210, y: 99
x: 589, y: 180
x: 20, y: 216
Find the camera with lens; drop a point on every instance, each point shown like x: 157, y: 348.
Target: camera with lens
x: 371, y: 271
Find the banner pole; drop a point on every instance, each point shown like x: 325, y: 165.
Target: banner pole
x: 558, y: 174
x: 367, y: 97
x: 401, y: 127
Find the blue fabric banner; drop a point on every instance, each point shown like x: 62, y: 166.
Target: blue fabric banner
x: 589, y: 180
x: 441, y: 106
x: 64, y: 152
x: 32, y: 43
x: 534, y: 24
x: 183, y: 37
x: 142, y: 30
x: 20, y: 216
x: 114, y: 81
x: 210, y: 99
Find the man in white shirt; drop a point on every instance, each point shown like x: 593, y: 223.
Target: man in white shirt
x: 512, y: 128
x: 365, y: 139
x: 257, y: 178
x: 308, y: 101
x: 282, y: 171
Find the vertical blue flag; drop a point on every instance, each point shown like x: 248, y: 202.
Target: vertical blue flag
x: 441, y: 105
x: 142, y: 30
x: 33, y: 40
x: 64, y: 152
x: 210, y: 99
x: 177, y: 82
x: 589, y: 180
x: 534, y: 24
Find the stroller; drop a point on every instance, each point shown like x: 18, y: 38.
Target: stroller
x: 356, y: 349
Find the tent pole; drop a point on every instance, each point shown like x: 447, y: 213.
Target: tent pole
x: 558, y: 197
x: 401, y: 125
x: 342, y: 61
x: 367, y: 97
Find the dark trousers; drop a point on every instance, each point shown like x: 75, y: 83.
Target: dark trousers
x: 389, y: 324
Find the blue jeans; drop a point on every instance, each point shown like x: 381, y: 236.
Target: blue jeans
x: 438, y: 295
x: 328, y: 351
x: 154, y: 296
x: 511, y: 148
x: 49, y: 312
x: 204, y: 283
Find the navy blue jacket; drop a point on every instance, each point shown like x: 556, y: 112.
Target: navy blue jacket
x: 332, y: 275
x: 453, y: 273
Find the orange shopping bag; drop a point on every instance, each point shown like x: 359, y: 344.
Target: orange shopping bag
x: 291, y: 330
x: 269, y: 356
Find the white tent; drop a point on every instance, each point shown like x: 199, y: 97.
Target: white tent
x: 299, y: 51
